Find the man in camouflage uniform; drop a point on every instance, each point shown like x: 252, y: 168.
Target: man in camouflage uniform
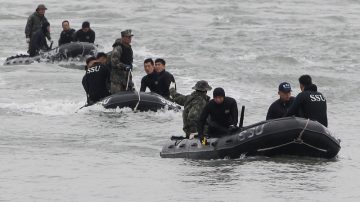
x: 193, y: 105
x: 35, y: 22
x: 121, y: 63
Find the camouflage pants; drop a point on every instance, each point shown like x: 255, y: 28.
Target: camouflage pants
x: 117, y: 87
x: 119, y: 80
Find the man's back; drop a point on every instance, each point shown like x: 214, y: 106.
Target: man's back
x: 95, y: 82
x: 310, y: 104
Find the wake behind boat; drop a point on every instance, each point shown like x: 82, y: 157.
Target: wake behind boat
x: 285, y: 136
x: 61, y: 53
x: 141, y: 101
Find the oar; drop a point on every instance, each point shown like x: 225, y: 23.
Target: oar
x: 81, y: 108
x: 242, y: 117
x: 128, y: 80
x: 127, y: 87
x: 51, y: 44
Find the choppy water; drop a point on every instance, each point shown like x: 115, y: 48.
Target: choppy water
x: 50, y: 153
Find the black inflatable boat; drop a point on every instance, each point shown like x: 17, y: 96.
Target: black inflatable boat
x: 285, y: 136
x: 138, y: 100
x: 63, y: 52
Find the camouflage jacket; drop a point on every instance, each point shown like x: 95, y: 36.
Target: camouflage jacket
x: 193, y: 106
x: 34, y: 23
x: 118, y: 73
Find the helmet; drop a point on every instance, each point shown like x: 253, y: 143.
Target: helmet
x: 41, y: 6
x: 202, y: 86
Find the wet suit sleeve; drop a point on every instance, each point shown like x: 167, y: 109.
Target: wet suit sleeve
x: 295, y: 107
x: 234, y: 113
x: 143, y: 85
x: 92, y: 37
x: 270, y: 114
x: 202, y: 120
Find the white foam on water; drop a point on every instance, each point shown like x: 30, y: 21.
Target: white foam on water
x: 45, y: 107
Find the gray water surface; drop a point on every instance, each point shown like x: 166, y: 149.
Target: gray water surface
x: 50, y: 153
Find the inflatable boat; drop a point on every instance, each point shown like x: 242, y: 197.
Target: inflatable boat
x: 61, y: 53
x: 285, y: 136
x: 141, y: 101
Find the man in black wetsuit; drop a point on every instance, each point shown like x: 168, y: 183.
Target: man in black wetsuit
x: 85, y: 34
x: 164, y: 79
x: 38, y: 40
x: 67, y: 35
x: 279, y: 108
x: 223, y: 114
x: 150, y: 79
x: 310, y: 103
x: 95, y: 81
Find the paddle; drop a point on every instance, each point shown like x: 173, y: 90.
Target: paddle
x: 51, y: 44
x: 128, y: 80
x: 81, y: 108
x: 127, y: 86
x: 242, y: 117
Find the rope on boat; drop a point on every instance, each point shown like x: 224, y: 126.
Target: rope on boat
x: 298, y: 140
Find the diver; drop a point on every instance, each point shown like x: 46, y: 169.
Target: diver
x: 164, y: 79
x: 149, y: 80
x: 279, y: 108
x: 67, y: 35
x: 95, y: 81
x: 310, y: 103
x: 85, y: 34
x: 222, y: 113
x: 38, y: 40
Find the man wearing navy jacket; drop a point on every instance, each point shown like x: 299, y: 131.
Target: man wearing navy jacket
x: 279, y: 108
x: 310, y: 103
x: 95, y: 81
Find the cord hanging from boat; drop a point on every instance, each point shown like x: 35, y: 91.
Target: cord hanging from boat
x: 298, y: 140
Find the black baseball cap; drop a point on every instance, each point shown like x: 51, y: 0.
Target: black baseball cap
x: 85, y: 24
x: 218, y: 92
x: 285, y: 87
